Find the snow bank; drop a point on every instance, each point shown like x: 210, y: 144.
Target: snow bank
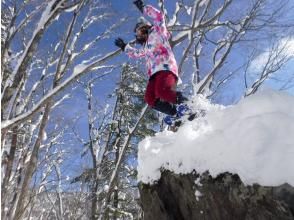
x: 254, y: 139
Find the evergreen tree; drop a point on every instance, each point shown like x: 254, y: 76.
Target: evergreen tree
x: 105, y: 144
x: 130, y: 102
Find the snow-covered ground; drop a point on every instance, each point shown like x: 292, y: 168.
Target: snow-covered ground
x: 254, y: 139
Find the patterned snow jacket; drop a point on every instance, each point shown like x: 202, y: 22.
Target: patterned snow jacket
x: 156, y: 50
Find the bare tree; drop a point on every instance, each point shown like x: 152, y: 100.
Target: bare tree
x: 214, y: 31
x: 267, y: 64
x: 23, y: 102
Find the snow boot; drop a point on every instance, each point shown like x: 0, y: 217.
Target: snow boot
x: 182, y: 110
x: 174, y: 122
x: 171, y: 120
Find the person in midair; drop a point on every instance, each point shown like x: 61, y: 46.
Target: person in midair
x: 161, y: 64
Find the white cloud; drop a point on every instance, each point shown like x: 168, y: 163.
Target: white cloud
x: 289, y: 43
x: 285, y: 44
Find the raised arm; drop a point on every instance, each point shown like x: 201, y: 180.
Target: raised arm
x: 133, y: 52
x: 150, y: 11
x: 155, y: 14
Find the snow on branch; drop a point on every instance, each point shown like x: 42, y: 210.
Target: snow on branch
x: 78, y: 72
x: 47, y: 15
x: 201, y: 21
x: 122, y: 153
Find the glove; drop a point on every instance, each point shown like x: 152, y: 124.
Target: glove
x: 140, y: 5
x: 120, y: 43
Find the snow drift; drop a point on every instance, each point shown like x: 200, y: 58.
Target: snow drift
x: 254, y: 139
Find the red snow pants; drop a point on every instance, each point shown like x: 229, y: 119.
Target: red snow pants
x: 162, y: 85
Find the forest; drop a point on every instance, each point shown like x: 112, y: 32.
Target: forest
x: 72, y: 103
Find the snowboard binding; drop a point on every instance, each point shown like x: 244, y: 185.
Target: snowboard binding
x: 184, y: 113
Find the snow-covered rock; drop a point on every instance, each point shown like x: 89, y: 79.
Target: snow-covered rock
x: 253, y: 139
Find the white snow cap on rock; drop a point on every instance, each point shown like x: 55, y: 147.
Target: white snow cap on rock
x: 254, y: 139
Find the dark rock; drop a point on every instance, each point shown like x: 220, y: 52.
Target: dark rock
x: 285, y: 193
x: 225, y: 197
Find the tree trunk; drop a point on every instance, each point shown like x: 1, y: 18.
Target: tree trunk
x: 8, y: 170
x: 30, y: 169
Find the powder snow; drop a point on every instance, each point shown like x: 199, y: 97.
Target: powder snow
x: 254, y: 139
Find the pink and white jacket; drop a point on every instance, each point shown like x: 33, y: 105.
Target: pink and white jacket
x: 157, y: 50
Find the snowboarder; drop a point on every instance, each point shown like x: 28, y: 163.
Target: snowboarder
x: 161, y: 64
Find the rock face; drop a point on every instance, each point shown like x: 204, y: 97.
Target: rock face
x: 191, y: 196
